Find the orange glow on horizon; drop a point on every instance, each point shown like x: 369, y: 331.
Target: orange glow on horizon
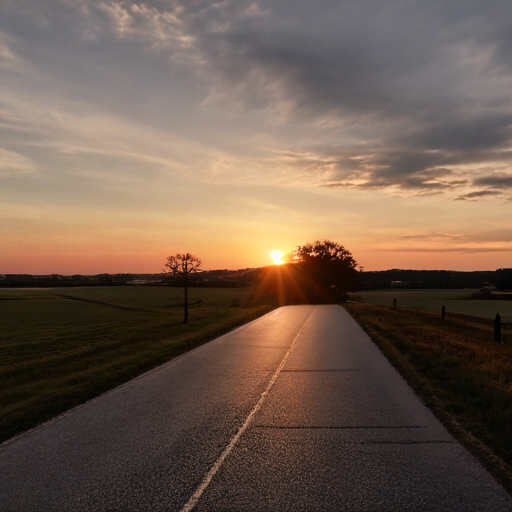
x: 68, y: 255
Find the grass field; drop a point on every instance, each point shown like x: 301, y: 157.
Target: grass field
x: 460, y: 372
x: 61, y: 347
x: 456, y: 301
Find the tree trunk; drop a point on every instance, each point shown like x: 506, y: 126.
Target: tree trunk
x: 185, y: 298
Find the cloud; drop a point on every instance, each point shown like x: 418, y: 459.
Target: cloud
x: 7, y: 57
x: 440, y: 100
x: 502, y: 235
x: 478, y: 195
x: 372, y: 167
x: 468, y: 242
x: 498, y: 236
x: 409, y: 98
x: 13, y: 163
x: 462, y: 250
x: 495, y: 181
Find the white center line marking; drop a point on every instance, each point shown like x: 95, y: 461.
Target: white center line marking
x: 207, y: 479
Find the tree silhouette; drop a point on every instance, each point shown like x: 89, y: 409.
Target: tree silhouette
x: 319, y: 273
x: 178, y: 268
x: 330, y: 266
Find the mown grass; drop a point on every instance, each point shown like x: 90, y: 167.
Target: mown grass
x: 58, y: 351
x: 456, y: 301
x: 461, y: 373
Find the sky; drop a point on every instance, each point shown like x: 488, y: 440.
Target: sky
x: 131, y: 131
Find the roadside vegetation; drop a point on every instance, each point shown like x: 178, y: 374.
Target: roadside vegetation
x: 61, y: 347
x: 458, y: 370
x: 456, y: 301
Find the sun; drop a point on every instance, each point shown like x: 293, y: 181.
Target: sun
x: 277, y: 256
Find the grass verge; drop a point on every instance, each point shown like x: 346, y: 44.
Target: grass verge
x: 57, y: 352
x: 462, y: 375
x: 456, y: 301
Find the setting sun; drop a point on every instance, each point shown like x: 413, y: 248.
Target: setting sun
x: 277, y: 256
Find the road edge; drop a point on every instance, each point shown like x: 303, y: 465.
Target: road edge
x: 498, y: 468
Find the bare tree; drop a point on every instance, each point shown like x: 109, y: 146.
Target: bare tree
x: 172, y: 267
x: 179, y: 267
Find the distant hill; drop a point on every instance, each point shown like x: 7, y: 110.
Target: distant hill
x: 398, y: 278
x: 224, y: 278
x: 209, y: 278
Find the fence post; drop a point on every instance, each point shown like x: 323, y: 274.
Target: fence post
x: 394, y: 303
x: 497, y: 329
x: 443, y: 312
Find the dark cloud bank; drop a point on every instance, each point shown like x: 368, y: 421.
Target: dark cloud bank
x: 425, y: 85
x: 413, y: 96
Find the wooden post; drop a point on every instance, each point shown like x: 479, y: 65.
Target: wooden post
x: 394, y: 303
x: 497, y: 329
x: 185, y: 292
x: 443, y: 312
x: 185, y: 304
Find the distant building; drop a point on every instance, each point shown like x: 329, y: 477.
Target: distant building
x: 399, y: 284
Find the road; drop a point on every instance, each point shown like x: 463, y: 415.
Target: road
x: 297, y: 410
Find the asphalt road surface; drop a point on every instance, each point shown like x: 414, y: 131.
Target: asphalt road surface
x: 297, y: 410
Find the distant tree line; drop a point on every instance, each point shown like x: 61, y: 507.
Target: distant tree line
x: 501, y: 278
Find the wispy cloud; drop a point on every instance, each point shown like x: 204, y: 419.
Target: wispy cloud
x: 476, y: 236
x: 14, y: 163
x: 478, y: 195
x: 462, y: 250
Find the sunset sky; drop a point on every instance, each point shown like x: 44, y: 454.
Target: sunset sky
x: 131, y: 131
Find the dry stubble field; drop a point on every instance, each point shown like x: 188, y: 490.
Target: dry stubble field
x: 63, y: 346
